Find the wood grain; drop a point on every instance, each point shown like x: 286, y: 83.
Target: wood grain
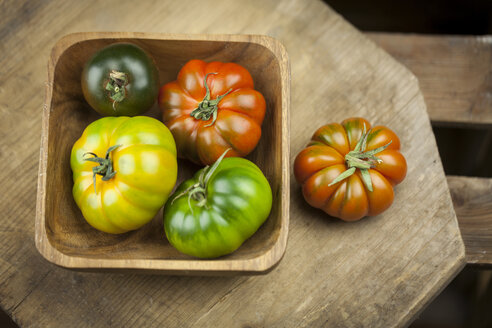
x: 64, y: 237
x: 379, y: 272
x: 472, y: 199
x: 454, y: 73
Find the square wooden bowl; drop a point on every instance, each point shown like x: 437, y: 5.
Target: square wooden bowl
x: 63, y: 236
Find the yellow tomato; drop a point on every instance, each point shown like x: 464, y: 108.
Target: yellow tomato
x: 123, y: 171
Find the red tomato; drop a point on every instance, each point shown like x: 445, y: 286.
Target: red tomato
x: 212, y: 107
x: 350, y: 173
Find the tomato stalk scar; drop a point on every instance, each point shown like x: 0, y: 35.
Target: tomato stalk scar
x: 198, y: 191
x: 207, y: 108
x: 116, y: 86
x: 362, y: 160
x: 105, y: 167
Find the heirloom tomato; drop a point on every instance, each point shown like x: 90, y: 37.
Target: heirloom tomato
x: 120, y: 80
x: 212, y: 107
x: 123, y: 172
x: 214, y: 212
x: 348, y: 170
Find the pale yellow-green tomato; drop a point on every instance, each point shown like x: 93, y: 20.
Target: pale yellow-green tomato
x: 124, y: 169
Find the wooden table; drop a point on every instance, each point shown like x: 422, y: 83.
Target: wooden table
x: 316, y: 284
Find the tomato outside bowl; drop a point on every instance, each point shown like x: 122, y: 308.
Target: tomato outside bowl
x: 63, y: 237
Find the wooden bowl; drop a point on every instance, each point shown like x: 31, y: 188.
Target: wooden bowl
x: 62, y: 234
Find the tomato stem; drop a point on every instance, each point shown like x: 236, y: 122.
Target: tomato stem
x: 116, y: 86
x: 362, y: 160
x: 198, y: 191
x: 105, y: 167
x: 208, y: 108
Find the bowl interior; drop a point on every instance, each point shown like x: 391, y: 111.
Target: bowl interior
x: 68, y: 232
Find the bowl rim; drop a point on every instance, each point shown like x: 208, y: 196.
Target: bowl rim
x: 258, y: 265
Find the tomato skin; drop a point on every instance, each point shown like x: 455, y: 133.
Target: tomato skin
x: 146, y: 171
x: 143, y: 80
x: 238, y: 201
x: 239, y: 115
x: 323, y: 160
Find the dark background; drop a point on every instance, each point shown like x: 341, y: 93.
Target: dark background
x: 427, y: 17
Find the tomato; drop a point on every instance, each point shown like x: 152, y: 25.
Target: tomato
x: 349, y: 172
x: 212, y: 107
x: 214, y: 212
x: 120, y: 80
x: 123, y: 171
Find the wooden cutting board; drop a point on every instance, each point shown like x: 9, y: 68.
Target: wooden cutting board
x: 379, y: 272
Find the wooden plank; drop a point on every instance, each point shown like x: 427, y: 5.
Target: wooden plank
x: 453, y: 71
x: 472, y: 199
x: 377, y: 272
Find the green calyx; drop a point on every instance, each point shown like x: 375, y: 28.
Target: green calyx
x: 198, y: 191
x: 362, y: 160
x: 105, y: 167
x: 116, y: 86
x: 208, y: 108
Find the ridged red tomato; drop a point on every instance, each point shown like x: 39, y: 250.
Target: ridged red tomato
x: 349, y: 172
x: 212, y: 107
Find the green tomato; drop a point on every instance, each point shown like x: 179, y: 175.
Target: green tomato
x: 213, y: 213
x: 120, y: 80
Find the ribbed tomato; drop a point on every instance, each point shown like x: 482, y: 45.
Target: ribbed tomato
x: 348, y: 170
x: 221, y: 206
x: 124, y: 169
x: 210, y: 108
